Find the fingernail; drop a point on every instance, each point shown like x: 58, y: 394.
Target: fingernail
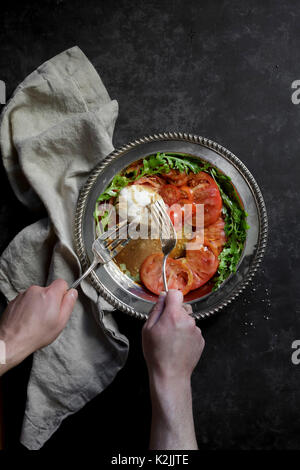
x: 74, y: 293
x: 177, y: 294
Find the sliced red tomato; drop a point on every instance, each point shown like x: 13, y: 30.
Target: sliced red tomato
x: 176, y: 177
x: 202, y: 262
x: 176, y: 213
x: 186, y: 195
x: 205, y: 289
x: 176, y: 198
x: 170, y: 194
x: 214, y: 236
x: 206, y: 191
x: 181, y: 216
x: 179, y: 275
x: 154, y: 181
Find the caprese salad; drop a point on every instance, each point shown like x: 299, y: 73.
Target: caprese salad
x: 202, y: 263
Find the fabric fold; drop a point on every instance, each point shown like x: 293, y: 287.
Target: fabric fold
x: 57, y: 126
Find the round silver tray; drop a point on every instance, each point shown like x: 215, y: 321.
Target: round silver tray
x: 116, y: 287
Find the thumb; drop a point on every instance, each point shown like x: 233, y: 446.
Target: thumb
x: 156, y: 310
x: 174, y: 299
x: 67, y: 305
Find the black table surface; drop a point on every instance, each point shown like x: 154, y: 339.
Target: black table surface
x: 222, y: 70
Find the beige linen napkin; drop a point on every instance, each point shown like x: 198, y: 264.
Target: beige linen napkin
x: 55, y: 129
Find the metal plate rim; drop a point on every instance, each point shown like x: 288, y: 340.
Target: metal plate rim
x: 210, y: 144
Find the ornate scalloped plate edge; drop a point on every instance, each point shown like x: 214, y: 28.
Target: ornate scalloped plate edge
x: 78, y: 236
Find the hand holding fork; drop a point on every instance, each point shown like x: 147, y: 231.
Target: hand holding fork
x: 106, y: 247
x: 111, y: 242
x: 167, y: 234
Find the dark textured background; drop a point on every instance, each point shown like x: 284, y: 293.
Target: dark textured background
x: 221, y: 69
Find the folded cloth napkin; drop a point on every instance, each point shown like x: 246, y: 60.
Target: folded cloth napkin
x: 55, y: 129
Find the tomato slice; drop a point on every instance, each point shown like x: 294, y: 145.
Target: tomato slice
x: 205, y: 289
x: 176, y: 198
x: 186, y: 195
x: 179, y: 274
x: 170, y: 194
x: 153, y: 181
x: 176, y: 177
x: 178, y: 217
x: 202, y: 261
x: 206, y: 191
x: 214, y: 236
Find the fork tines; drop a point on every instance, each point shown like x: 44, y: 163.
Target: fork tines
x: 118, y: 231
x: 162, y: 220
x: 111, y: 242
x: 115, y: 238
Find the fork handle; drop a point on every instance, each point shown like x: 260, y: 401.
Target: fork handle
x: 164, y: 273
x: 84, y: 275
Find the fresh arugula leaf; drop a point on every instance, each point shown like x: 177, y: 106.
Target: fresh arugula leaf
x: 101, y: 216
x: 235, y: 227
x: 96, y: 218
x: 105, y: 220
x: 118, y: 182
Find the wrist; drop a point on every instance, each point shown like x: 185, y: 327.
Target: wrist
x: 172, y: 413
x: 12, y: 354
x: 167, y: 382
x: 169, y: 389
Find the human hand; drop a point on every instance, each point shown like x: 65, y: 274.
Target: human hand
x: 172, y: 343
x: 35, y: 319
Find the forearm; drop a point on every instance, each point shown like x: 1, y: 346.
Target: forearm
x: 9, y: 364
x: 172, y: 426
x: 5, y: 362
x: 4, y: 368
x: 13, y: 353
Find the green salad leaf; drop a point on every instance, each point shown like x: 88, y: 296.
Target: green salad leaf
x: 234, y: 215
x: 235, y: 227
x: 113, y: 189
x: 152, y: 165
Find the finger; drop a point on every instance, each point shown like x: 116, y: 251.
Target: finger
x: 14, y: 303
x: 174, y: 299
x: 67, y: 306
x: 18, y: 297
x: 191, y: 321
x: 202, y: 341
x: 187, y: 308
x: 156, y: 310
x: 58, y: 287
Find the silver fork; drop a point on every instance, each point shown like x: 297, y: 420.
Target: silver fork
x: 167, y: 234
x: 106, y: 247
